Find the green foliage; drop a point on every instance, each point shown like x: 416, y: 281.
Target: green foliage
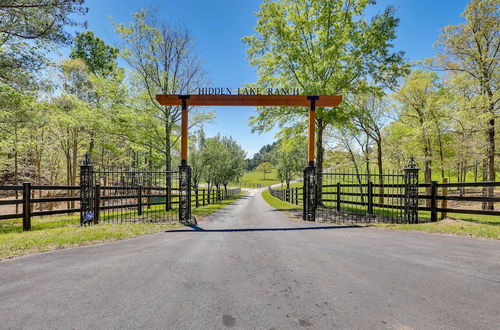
x: 263, y: 155
x: 290, y: 158
x: 278, y: 203
x: 264, y: 167
x: 99, y: 57
x: 217, y: 160
x: 28, y: 30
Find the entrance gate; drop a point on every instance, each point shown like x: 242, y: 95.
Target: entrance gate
x: 311, y: 102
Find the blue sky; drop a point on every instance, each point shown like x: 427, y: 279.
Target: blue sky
x: 218, y: 26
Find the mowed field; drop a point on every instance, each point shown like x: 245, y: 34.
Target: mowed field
x: 256, y: 177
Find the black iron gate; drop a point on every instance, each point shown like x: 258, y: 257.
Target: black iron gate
x: 125, y: 195
x: 350, y: 196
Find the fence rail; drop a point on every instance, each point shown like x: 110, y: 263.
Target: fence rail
x: 364, y: 201
x: 132, y: 198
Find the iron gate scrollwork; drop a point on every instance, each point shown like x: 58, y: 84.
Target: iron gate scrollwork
x: 411, y: 192
x: 310, y: 201
x: 86, y: 192
x: 185, y: 194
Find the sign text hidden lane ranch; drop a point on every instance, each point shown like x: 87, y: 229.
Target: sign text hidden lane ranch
x: 248, y: 91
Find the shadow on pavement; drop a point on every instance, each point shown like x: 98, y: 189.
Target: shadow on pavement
x: 195, y: 229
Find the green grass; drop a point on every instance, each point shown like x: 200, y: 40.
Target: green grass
x: 482, y: 226
x: 449, y: 226
x: 52, y: 233
x: 258, y: 177
x: 278, y: 203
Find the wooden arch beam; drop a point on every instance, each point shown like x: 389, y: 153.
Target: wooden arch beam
x: 249, y: 100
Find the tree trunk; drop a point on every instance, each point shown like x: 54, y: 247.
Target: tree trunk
x: 490, y: 171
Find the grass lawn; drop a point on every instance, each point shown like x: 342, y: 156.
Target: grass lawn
x: 52, y: 233
x: 451, y: 226
x: 481, y: 226
x: 278, y: 203
x: 258, y: 177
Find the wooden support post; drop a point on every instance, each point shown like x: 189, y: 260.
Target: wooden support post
x: 312, y: 131
x: 203, y: 192
x: 370, y: 197
x: 184, y: 129
x: 97, y: 203
x: 433, y: 199
x: 26, y: 206
x: 139, y: 200
x: 196, y: 198
x: 444, y: 202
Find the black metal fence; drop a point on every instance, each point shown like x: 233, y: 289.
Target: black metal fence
x: 291, y: 195
x: 349, y: 197
x: 355, y: 197
x: 247, y: 185
x: 109, y: 196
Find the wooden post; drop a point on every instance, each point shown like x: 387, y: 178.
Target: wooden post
x: 139, y: 200
x: 444, y: 202
x: 97, y: 202
x: 312, y: 125
x: 26, y: 206
x: 196, y: 198
x: 184, y: 129
x: 433, y: 199
x: 203, y: 192
x: 370, y: 197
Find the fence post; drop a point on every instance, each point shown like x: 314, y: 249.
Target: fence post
x: 196, y: 197
x: 97, y: 201
x: 338, y: 196
x: 370, y: 197
x: 203, y: 196
x: 184, y: 193
x: 444, y: 202
x: 411, y: 192
x: 433, y: 201
x: 26, y: 206
x: 86, y: 190
x: 139, y: 200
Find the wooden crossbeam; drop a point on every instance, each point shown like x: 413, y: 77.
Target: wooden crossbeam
x: 249, y: 100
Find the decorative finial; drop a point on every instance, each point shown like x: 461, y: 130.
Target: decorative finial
x: 412, y: 163
x: 86, y: 160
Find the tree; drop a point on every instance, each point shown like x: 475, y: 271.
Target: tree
x: 163, y: 60
x: 288, y: 157
x: 264, y: 167
x: 417, y: 97
x: 99, y: 57
x: 473, y: 48
x: 263, y: 155
x: 100, y: 61
x: 224, y: 161
x: 323, y: 47
x: 28, y: 29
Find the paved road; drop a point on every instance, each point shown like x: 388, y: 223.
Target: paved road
x: 250, y: 267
